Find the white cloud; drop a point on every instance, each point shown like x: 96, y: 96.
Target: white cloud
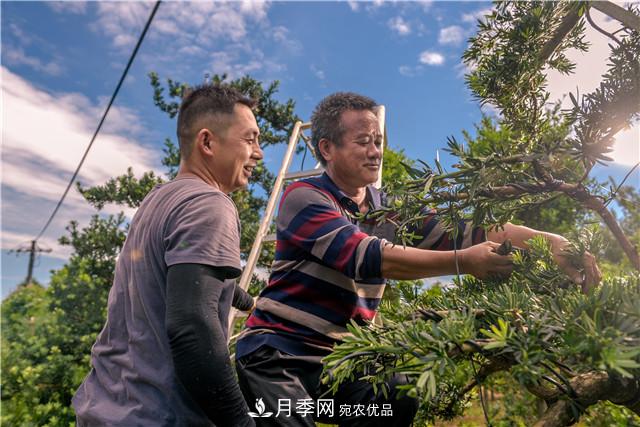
x: 229, y: 62
x: 590, y: 67
x: 209, y: 21
x: 409, y: 71
x: 472, y: 17
x: 317, y: 72
x: 399, y: 25
x: 17, y: 56
x: 256, y: 9
x: 402, y: 6
x: 123, y: 21
x: 192, y: 50
x: 431, y: 58
x: 462, y: 69
x: 354, y: 5
x: 38, y: 160
x: 426, y: 4
x: 24, y: 38
x: 490, y: 109
x: 74, y: 6
x: 453, y: 35
x: 219, y: 34
x: 167, y: 27
x: 282, y: 35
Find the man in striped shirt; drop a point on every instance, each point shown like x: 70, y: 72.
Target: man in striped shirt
x: 330, y: 269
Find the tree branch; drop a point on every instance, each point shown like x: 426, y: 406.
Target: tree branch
x: 438, y: 315
x: 590, y: 388
x: 495, y: 365
x: 628, y: 19
x: 576, y: 192
x: 568, y: 22
x: 545, y: 393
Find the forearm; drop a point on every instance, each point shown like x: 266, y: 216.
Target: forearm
x: 519, y: 235
x: 406, y: 263
x: 202, y: 364
x: 241, y: 299
x: 198, y: 344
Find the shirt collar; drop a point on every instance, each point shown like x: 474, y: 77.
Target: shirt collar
x: 373, y: 194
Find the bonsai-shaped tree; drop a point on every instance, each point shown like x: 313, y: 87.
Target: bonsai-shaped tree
x: 566, y: 347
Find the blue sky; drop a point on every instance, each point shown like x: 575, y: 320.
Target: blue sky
x: 61, y: 62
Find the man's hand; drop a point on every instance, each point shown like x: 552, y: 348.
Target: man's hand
x: 591, y: 275
x: 519, y: 235
x: 483, y: 262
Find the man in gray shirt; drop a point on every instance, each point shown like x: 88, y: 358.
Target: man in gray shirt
x: 162, y: 358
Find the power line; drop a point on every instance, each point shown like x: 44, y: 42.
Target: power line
x: 104, y: 116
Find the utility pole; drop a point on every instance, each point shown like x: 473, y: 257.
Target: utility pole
x: 33, y: 248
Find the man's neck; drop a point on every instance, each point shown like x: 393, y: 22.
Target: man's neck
x: 187, y: 170
x: 357, y: 194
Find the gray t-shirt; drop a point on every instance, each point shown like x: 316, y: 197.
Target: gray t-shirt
x: 132, y: 381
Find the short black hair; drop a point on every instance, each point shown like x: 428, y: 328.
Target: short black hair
x: 325, y: 120
x: 208, y: 100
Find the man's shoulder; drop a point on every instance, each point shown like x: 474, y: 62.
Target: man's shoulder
x: 190, y: 185
x: 310, y: 186
x: 183, y: 190
x: 307, y: 192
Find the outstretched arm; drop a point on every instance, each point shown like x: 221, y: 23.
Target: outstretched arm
x: 406, y: 263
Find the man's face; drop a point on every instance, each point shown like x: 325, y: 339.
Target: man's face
x: 356, y: 159
x: 236, y: 151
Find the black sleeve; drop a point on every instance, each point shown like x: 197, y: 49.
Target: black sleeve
x: 198, y: 344
x: 241, y: 299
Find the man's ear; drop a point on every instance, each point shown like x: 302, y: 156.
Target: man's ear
x: 326, y: 148
x: 204, y: 142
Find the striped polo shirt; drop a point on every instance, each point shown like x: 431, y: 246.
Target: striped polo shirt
x: 327, y: 269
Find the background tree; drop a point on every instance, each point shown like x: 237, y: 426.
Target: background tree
x: 564, y: 348
x: 48, y: 333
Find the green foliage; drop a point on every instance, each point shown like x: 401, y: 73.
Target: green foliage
x: 561, y: 215
x: 533, y: 162
x: 394, y: 167
x: 628, y: 198
x: 508, y: 54
x: 20, y: 309
x: 123, y: 190
x: 534, y: 335
x: 526, y: 336
x: 605, y: 414
x: 537, y: 331
x: 48, y: 333
x: 612, y: 106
